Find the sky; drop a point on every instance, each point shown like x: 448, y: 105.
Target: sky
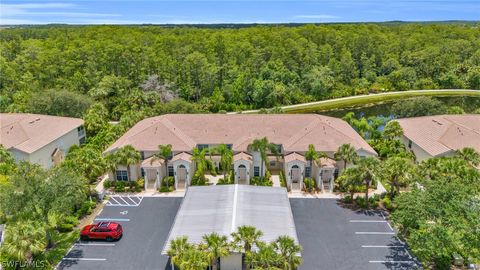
x: 232, y: 11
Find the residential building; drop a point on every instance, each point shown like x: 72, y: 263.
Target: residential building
x: 292, y: 133
x: 222, y: 209
x: 41, y: 139
x: 440, y: 135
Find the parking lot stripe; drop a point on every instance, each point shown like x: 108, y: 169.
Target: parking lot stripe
x: 113, y: 198
x: 112, y: 219
x: 134, y: 202
x: 411, y: 262
x: 84, y: 259
x: 367, y: 221
x: 390, y: 233
x: 366, y: 246
x: 121, y: 198
x: 94, y: 244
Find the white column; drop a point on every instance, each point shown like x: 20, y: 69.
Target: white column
x: 321, y: 179
x: 158, y: 182
x: 331, y: 180
x: 145, y: 178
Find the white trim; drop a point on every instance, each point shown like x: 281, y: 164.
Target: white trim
x: 234, y: 212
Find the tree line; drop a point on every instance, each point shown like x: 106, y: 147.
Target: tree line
x: 65, y: 70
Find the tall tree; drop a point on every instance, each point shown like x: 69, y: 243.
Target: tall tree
x: 392, y: 130
x: 470, y: 155
x: 397, y: 171
x: 245, y: 237
x: 263, y: 146
x: 368, y: 169
x: 177, y: 248
x: 289, y: 251
x: 127, y: 156
x: 346, y: 153
x: 23, y: 240
x: 311, y: 155
x: 164, y: 153
x: 226, y: 158
x: 216, y: 246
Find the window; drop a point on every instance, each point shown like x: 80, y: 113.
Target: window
x: 82, y: 140
x: 272, y: 163
x: 256, y: 171
x: 122, y: 175
x: 229, y: 146
x: 202, y: 146
x: 143, y: 172
x: 142, y: 155
x: 170, y: 171
x: 335, y: 173
x: 409, y: 144
x: 308, y: 171
x: 81, y: 131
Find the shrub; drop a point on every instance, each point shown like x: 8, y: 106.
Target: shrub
x: 166, y: 189
x: 283, y: 181
x: 65, y: 227
x: 268, y: 176
x: 260, y: 181
x: 347, y: 199
x: 86, y: 208
x: 70, y: 220
x: 387, y: 203
x: 170, y: 180
x: 199, y: 179
x: 309, y: 184
x: 119, y: 186
x: 108, y: 184
x: 228, y: 180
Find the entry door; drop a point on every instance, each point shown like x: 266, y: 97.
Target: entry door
x: 296, y: 174
x: 242, y: 173
x: 181, y: 177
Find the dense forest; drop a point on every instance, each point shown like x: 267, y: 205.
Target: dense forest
x: 64, y: 70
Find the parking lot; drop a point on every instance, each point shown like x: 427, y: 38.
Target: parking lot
x: 146, y: 223
x: 334, y: 237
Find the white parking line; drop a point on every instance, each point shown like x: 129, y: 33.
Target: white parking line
x: 94, y: 244
x: 124, y: 201
x: 366, y: 246
x: 389, y: 233
x: 367, y: 221
x: 84, y: 259
x: 411, y: 262
x: 134, y: 202
x: 112, y: 219
x: 121, y: 198
x: 113, y: 198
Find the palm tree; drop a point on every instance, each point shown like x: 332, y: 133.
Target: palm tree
x: 266, y: 257
x: 350, y: 180
x: 111, y: 164
x: 245, y: 237
x: 165, y: 152
x: 226, y: 157
x: 200, y: 161
x: 397, y: 171
x: 263, y: 145
x: 470, y: 155
x: 346, y: 153
x: 216, y: 246
x: 289, y: 251
x: 23, y: 240
x: 128, y: 156
x: 193, y: 259
x: 311, y: 155
x: 367, y: 169
x: 178, y: 247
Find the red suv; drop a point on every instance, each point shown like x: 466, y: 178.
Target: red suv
x: 104, y: 230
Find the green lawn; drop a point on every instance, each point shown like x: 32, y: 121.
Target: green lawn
x: 331, y: 104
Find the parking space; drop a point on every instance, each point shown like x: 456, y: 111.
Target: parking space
x: 146, y: 223
x: 334, y: 237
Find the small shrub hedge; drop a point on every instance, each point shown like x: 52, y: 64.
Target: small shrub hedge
x: 124, y: 186
x: 170, y: 180
x: 283, y: 180
x: 260, y: 181
x: 309, y: 185
x: 228, y: 180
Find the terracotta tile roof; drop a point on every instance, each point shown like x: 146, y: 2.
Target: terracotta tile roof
x: 182, y: 156
x: 294, y: 131
x: 440, y: 134
x: 242, y: 155
x: 327, y: 163
x: 30, y: 132
x: 151, y: 162
x: 294, y: 156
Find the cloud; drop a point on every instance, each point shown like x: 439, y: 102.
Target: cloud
x: 32, y: 13
x: 317, y: 16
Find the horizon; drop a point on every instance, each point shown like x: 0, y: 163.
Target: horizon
x: 241, y: 12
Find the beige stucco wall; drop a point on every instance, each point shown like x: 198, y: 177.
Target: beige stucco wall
x: 43, y: 156
x: 247, y: 164
x: 420, y: 154
x: 288, y: 168
x: 232, y: 262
